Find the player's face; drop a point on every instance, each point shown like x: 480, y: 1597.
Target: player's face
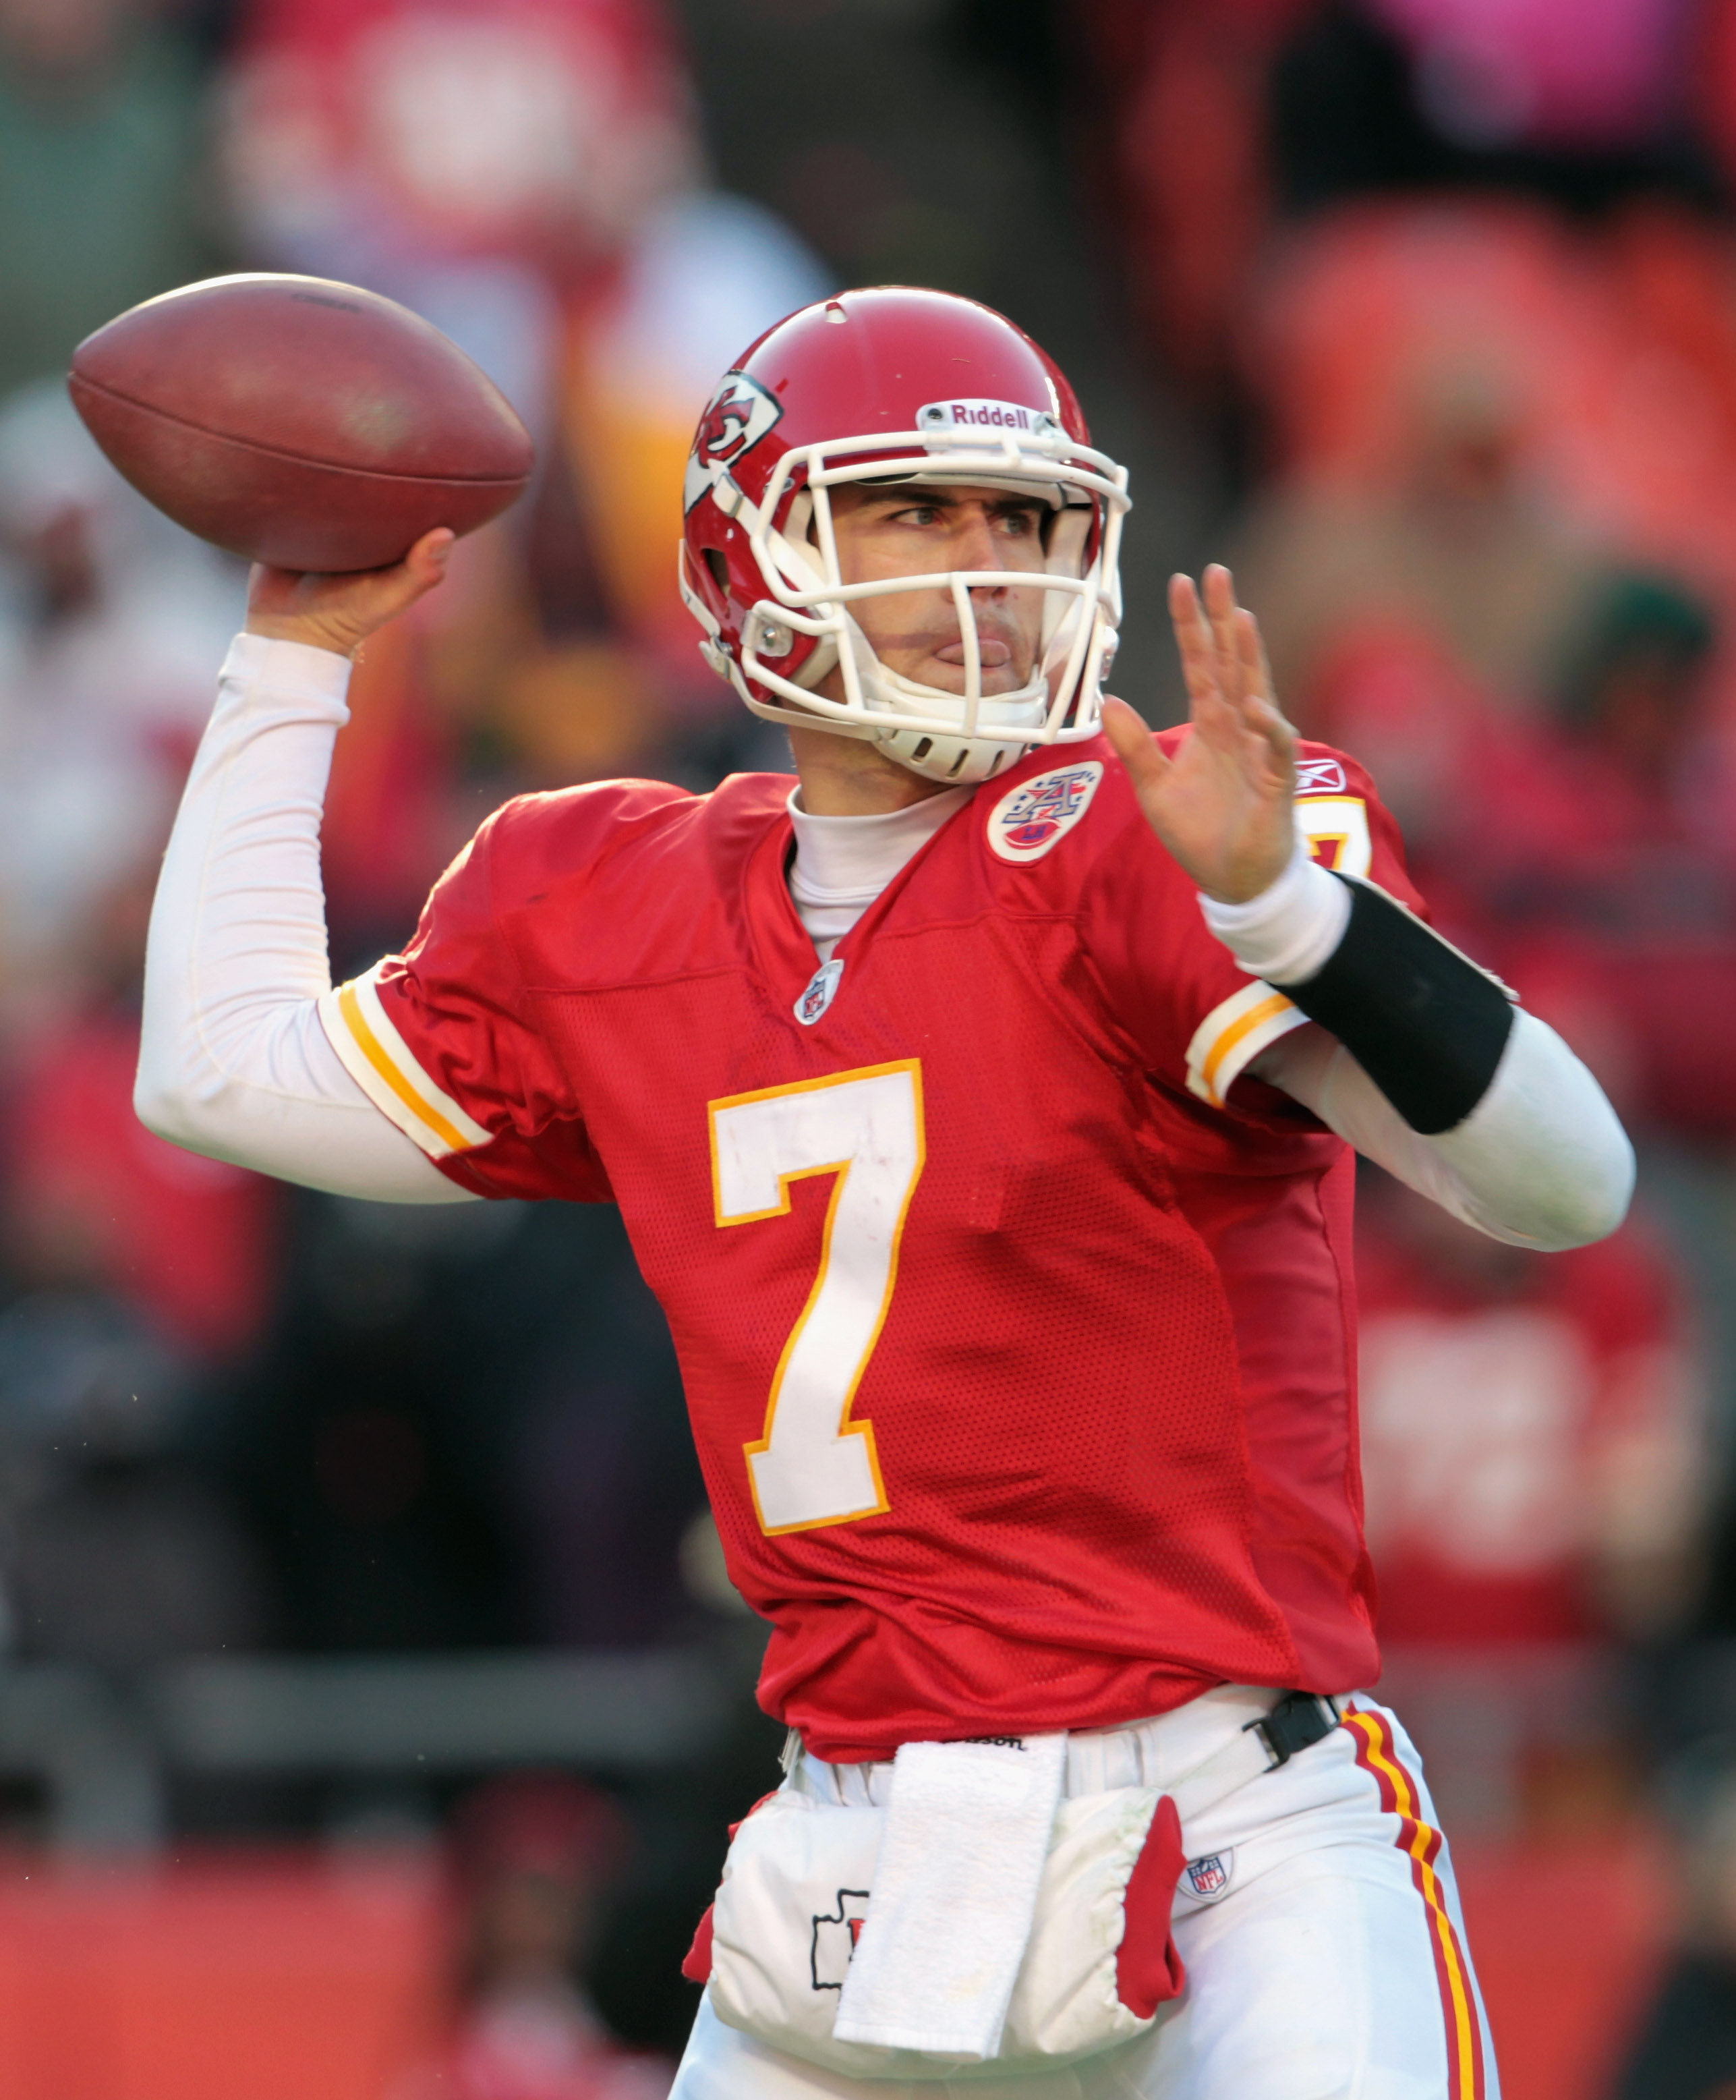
x: 920, y: 532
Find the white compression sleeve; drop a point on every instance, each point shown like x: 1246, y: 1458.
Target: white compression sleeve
x: 234, y: 1062
x: 1541, y: 1161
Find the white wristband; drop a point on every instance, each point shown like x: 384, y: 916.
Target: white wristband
x: 290, y: 669
x: 1288, y: 933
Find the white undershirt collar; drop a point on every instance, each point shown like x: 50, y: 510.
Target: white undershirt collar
x: 843, y: 863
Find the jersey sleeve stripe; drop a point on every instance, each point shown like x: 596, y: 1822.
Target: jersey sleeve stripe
x: 1233, y: 1034
x: 379, y: 1060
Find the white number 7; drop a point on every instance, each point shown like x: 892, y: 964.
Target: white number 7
x: 813, y: 1465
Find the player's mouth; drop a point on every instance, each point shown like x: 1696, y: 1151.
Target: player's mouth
x: 993, y: 655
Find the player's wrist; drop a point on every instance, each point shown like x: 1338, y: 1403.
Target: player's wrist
x: 309, y: 634
x: 1289, y: 932
x: 270, y: 664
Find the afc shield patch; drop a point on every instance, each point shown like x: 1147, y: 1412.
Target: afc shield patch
x: 1208, y: 1878
x: 736, y: 418
x: 1032, y: 817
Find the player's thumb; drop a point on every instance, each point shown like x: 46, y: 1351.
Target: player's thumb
x: 424, y: 565
x: 1134, y: 745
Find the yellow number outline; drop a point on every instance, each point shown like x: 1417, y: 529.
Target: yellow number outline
x: 848, y: 1426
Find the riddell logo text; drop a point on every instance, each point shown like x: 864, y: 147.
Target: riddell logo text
x: 977, y: 415
x: 991, y: 412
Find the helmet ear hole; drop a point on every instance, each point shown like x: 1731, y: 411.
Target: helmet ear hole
x: 715, y: 561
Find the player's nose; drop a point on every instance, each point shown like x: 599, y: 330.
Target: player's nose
x: 974, y: 547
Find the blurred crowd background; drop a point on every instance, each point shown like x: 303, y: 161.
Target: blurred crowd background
x: 372, y: 1699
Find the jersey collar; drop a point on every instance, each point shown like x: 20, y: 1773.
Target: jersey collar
x: 786, y: 957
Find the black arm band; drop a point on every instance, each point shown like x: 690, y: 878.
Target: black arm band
x: 1426, y: 1025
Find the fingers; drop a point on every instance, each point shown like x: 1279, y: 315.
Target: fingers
x: 377, y: 595
x: 1207, y: 634
x: 338, y: 612
x: 1223, y: 614
x: 1199, y: 653
x: 422, y: 570
x: 1279, y: 742
x: 1223, y: 658
x: 1257, y: 671
x: 1134, y: 745
x: 424, y: 565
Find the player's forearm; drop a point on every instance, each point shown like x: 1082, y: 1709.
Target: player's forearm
x: 1424, y: 1022
x: 1541, y: 1162
x: 234, y: 1062
x: 1434, y: 1072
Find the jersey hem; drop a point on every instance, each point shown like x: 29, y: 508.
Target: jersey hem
x: 856, y: 1749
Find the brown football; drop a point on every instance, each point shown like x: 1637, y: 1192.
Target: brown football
x: 298, y: 422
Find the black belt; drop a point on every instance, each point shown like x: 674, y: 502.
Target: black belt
x: 1298, y: 1721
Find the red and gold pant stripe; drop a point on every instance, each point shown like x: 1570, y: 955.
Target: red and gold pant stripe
x: 1400, y: 1796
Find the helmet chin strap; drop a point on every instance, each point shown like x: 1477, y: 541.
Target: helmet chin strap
x: 960, y: 761
x: 957, y: 760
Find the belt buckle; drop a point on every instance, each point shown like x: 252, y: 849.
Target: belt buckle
x: 1298, y: 1721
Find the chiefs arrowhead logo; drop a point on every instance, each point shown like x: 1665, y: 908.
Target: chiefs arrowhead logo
x: 736, y: 418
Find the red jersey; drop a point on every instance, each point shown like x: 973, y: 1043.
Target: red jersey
x: 1020, y: 1354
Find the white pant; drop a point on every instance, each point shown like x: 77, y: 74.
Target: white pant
x: 1326, y: 1960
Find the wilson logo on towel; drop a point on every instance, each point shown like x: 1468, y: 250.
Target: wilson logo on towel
x: 836, y: 1934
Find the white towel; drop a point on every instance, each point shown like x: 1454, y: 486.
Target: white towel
x: 968, y: 1828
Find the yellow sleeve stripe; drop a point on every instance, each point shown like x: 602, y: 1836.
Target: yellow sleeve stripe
x: 378, y: 1059
x: 1232, y: 1034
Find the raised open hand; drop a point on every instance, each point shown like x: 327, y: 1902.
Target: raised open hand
x: 339, y: 612
x: 1223, y: 804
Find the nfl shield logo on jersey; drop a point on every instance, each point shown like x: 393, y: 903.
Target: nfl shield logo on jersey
x: 1208, y: 1878
x: 821, y: 988
x: 1030, y: 819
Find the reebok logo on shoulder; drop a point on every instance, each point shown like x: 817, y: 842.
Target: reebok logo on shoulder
x: 1032, y: 818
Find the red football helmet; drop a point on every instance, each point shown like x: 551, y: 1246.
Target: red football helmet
x: 896, y: 384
